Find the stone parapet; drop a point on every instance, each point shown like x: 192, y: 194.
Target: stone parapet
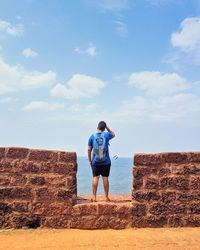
x: 35, y: 186
x: 166, y: 190
x: 38, y: 188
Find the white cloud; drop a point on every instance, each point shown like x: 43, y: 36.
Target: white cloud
x: 10, y: 29
x: 158, y: 83
x: 121, y: 28
x: 111, y: 5
x: 79, y: 86
x: 162, y: 109
x: 16, y: 77
x: 29, y: 53
x: 188, y: 38
x: 41, y: 105
x: 187, y: 41
x: 91, y: 51
x: 174, y: 60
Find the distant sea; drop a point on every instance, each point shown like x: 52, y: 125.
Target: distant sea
x: 120, y: 176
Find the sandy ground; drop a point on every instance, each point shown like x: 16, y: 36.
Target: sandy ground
x: 62, y: 239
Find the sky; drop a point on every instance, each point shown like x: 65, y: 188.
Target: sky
x: 66, y: 65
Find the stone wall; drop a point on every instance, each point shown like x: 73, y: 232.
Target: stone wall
x: 37, y: 187
x: 166, y: 190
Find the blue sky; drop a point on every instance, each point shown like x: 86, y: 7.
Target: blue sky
x: 65, y: 65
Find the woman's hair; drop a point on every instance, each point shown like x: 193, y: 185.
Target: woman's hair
x: 101, y: 125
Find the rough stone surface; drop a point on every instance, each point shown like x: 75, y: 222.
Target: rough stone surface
x: 36, y: 187
x: 168, y: 197
x: 116, y: 214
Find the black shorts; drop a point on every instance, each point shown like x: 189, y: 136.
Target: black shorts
x: 103, y: 170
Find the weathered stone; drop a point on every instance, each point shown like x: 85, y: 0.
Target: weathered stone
x: 85, y: 209
x: 17, y: 153
x: 195, y: 183
x: 43, y: 155
x: 151, y: 183
x: 71, y: 182
x: 148, y: 159
x: 2, y: 152
x: 139, y: 222
x: 45, y: 194
x: 5, y: 221
x: 164, y: 172
x: 58, y: 222
x: 15, y: 193
x: 173, y: 157
x: 185, y: 197
x: 168, y: 197
x: 20, y: 206
x: 124, y: 211
x: 194, y: 208
x: 64, y: 168
x: 141, y: 171
x: 194, y: 157
x: 64, y: 194
x: 21, y: 173
x: 179, y: 183
x: 137, y: 173
x: 160, y: 209
x: 67, y: 157
x: 56, y: 181
x: 137, y: 184
x: 146, y: 196
x: 166, y: 182
x: 46, y: 167
x: 192, y: 221
x: 6, y: 166
x: 103, y: 221
x: 156, y: 221
x: 104, y: 209
x: 139, y: 210
x: 5, y: 208
x: 184, y: 169
x: 52, y: 209
x: 179, y: 208
x: 37, y: 180
x: 176, y: 221
x: 85, y: 222
x: 30, y: 167
x: 21, y: 221
x: 18, y: 179
x: 196, y: 195
x: 4, y: 180
x: 116, y: 223
x: 178, y: 169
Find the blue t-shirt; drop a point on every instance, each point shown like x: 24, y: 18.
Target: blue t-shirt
x: 108, y: 136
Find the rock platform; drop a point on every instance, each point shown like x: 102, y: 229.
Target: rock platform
x: 116, y: 214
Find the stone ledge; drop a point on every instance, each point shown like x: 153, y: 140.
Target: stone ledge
x: 85, y: 198
x: 116, y: 214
